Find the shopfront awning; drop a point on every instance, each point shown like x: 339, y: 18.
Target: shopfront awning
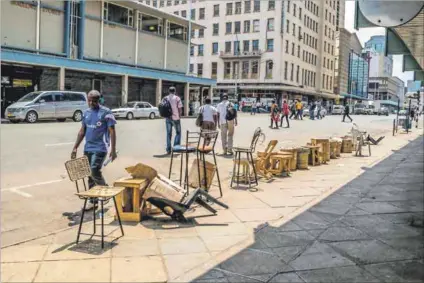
x: 353, y: 96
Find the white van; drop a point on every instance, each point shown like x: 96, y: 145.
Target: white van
x: 48, y: 105
x: 337, y: 110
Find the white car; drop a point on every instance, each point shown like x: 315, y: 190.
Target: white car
x: 337, y: 110
x: 323, y: 112
x: 136, y: 109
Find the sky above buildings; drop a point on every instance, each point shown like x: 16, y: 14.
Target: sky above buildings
x: 366, y: 33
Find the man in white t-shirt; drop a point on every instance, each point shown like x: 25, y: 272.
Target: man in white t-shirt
x: 210, y: 118
x: 227, y: 120
x: 174, y: 121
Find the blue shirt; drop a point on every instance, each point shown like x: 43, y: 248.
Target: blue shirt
x: 97, y: 122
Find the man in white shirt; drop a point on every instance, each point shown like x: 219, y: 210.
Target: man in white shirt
x: 209, y: 113
x: 227, y: 120
x: 174, y: 120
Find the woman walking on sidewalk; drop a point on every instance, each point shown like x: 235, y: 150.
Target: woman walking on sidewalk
x: 285, y: 114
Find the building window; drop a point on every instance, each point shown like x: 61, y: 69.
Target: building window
x: 247, y: 6
x: 256, y: 26
x: 288, y: 6
x: 270, y: 45
x: 201, y: 33
x: 271, y: 5
x: 168, y: 3
x: 299, y: 33
x: 216, y: 10
x: 270, y: 24
x: 291, y: 71
x: 176, y: 2
x: 238, y: 8
x: 256, y: 5
x: 325, y: 46
x: 245, y: 69
x: 118, y: 14
x: 214, y: 71
x: 294, y: 10
x: 236, y: 47
x: 237, y: 27
x: 176, y: 13
x: 193, y: 14
x: 246, y: 46
x: 183, y: 14
x: 155, y: 4
x: 191, y: 69
x: 215, y: 29
x: 298, y: 51
x: 300, y: 13
x: 193, y: 33
x: 285, y: 70
x: 246, y: 28
x: 215, y: 48
x: 150, y: 24
x: 294, y: 29
x: 228, y: 47
x: 162, y: 3
x: 201, y: 13
x: 255, y: 69
x: 297, y: 74
x: 255, y: 45
x: 292, y: 53
x: 228, y: 27
x: 324, y: 62
x: 288, y: 26
x: 200, y: 50
x: 268, y: 69
x: 227, y: 70
x: 323, y: 81
x: 199, y: 70
x: 287, y: 46
x: 191, y: 50
x: 235, y: 70
x: 229, y: 9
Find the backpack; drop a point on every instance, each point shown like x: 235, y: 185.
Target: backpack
x: 165, y: 109
x: 231, y: 113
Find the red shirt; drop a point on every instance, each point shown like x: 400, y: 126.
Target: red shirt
x: 286, y: 109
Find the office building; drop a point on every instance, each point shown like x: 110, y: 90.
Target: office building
x: 380, y: 65
x: 386, y: 91
x: 125, y: 49
x: 263, y: 49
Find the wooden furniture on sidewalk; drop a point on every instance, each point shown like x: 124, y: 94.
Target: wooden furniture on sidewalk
x: 302, y: 157
x: 315, y: 155
x: 293, y: 162
x: 325, y: 150
x: 130, y: 201
x: 263, y: 160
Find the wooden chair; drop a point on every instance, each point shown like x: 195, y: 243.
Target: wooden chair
x: 360, y: 139
x: 78, y: 170
x: 263, y: 163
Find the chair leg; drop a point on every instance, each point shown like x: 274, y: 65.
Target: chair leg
x: 217, y: 172
x: 94, y: 220
x: 238, y: 169
x: 170, y: 166
x: 204, y: 171
x: 82, y: 219
x: 103, y: 224
x: 234, y: 170
x: 369, y: 149
x: 198, y: 167
x: 119, y: 217
x: 254, y: 169
x: 247, y: 174
x: 181, y: 167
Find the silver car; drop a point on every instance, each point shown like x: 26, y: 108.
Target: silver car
x: 136, y: 109
x: 48, y: 105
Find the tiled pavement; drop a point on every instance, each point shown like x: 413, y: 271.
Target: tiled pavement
x: 370, y: 230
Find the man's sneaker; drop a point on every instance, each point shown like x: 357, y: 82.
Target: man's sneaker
x: 90, y: 206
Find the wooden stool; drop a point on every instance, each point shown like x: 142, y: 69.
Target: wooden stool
x: 130, y: 199
x: 293, y: 162
x: 314, y: 154
x: 325, y: 148
x: 333, y: 149
x: 280, y: 163
x: 302, y: 158
x: 347, y: 145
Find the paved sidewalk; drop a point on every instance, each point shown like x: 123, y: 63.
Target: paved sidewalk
x: 371, y: 230
x: 161, y: 250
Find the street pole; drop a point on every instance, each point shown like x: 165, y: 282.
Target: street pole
x: 409, y: 115
x: 397, y: 114
x: 189, y: 37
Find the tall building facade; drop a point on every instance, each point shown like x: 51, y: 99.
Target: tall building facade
x: 263, y: 49
x: 380, y: 65
x: 387, y: 91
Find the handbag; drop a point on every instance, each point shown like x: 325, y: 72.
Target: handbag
x: 199, y: 119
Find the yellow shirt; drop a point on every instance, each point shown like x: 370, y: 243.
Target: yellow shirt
x: 298, y: 106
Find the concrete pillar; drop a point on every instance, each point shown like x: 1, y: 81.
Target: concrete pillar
x: 201, y: 98
x: 158, y: 92
x: 186, y: 98
x: 210, y: 92
x: 61, y: 81
x: 124, y: 90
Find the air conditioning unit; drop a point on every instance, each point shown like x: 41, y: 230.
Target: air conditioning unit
x: 245, y: 53
x: 255, y: 53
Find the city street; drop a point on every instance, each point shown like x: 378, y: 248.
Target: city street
x: 36, y: 190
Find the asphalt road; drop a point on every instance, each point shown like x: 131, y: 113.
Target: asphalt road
x: 35, y: 190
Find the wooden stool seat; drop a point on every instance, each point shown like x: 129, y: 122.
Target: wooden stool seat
x: 314, y: 154
x: 129, y: 199
x: 280, y: 163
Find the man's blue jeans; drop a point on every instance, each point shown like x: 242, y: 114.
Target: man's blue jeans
x: 96, y: 160
x: 169, y: 124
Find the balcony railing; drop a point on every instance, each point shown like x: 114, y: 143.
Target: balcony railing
x: 241, y: 54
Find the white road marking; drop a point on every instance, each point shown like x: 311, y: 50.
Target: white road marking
x: 32, y: 185
x: 16, y: 191
x: 59, y: 144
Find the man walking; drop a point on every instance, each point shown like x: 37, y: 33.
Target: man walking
x: 227, y: 120
x: 346, y: 113
x: 209, y: 114
x: 299, y: 109
x: 274, y: 115
x: 98, y: 128
x: 174, y: 120
x: 285, y: 114
x: 293, y: 110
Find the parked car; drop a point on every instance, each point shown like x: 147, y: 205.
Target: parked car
x: 360, y: 109
x: 306, y: 112
x: 48, y: 105
x: 383, y: 111
x: 337, y: 110
x: 136, y: 109
x: 370, y: 110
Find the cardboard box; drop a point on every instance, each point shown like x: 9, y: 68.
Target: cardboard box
x: 193, y: 177
x: 162, y: 187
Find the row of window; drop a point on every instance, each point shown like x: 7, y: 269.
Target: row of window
x: 328, y: 63
x: 294, y: 10
x: 235, y: 48
x: 308, y: 77
x: 329, y: 17
x: 328, y: 48
x: 236, y: 8
x: 328, y: 32
x: 310, y: 24
x: 312, y: 7
x: 327, y: 82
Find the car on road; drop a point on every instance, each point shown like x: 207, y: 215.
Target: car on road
x: 371, y: 110
x: 337, y: 110
x: 360, y: 108
x: 48, y: 105
x: 383, y: 111
x: 136, y: 109
x: 306, y: 112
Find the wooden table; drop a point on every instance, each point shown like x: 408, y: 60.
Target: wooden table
x: 129, y: 200
x: 314, y: 155
x: 325, y: 148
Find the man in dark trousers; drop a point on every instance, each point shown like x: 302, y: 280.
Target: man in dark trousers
x: 346, y: 113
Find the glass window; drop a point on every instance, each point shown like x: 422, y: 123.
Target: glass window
x: 270, y: 45
x: 247, y: 6
x: 294, y: 10
x: 162, y: 3
x: 287, y: 46
x: 216, y: 10
x: 237, y: 27
x: 183, y: 14
x: 215, y: 29
x: 236, y: 47
x: 246, y: 46
x: 300, y: 32
x: 292, y: 53
x: 256, y: 6
x: 285, y: 70
x: 227, y: 70
x: 245, y: 69
x: 246, y: 28
x: 150, y: 24
x: 255, y: 45
x: 255, y: 69
x: 297, y: 74
x: 200, y: 50
x: 288, y: 6
x: 176, y: 13
x: 214, y: 71
x: 291, y: 71
x: 228, y: 27
x: 119, y: 14
x: 200, y: 70
x: 168, y: 3
x: 177, y: 31
x: 201, y: 13
x: 288, y: 26
x: 271, y: 5
x: 228, y: 47
x: 270, y: 24
x: 176, y: 2
x: 268, y: 71
x: 294, y: 29
x: 193, y: 14
x: 235, y: 70
x: 300, y: 13
x: 201, y: 33
x: 256, y: 26
x: 298, y: 51
x: 215, y: 48
x: 191, y: 50
x: 238, y: 8
x: 229, y: 8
